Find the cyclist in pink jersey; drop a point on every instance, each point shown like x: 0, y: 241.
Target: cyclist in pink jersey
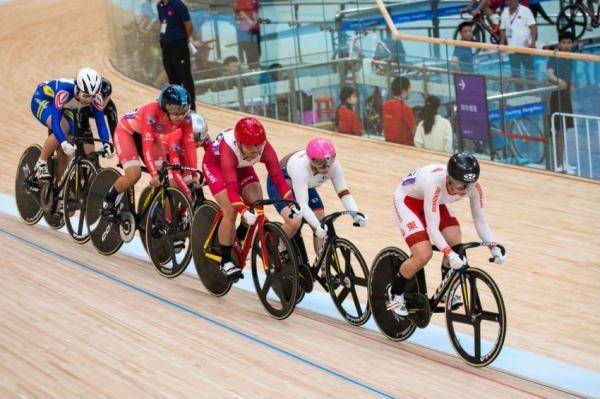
x: 423, y: 218
x: 181, y: 150
x: 228, y: 169
x: 141, y: 134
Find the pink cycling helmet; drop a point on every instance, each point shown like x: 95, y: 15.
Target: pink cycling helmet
x: 321, y: 152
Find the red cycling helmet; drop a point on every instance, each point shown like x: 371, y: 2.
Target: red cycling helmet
x: 250, y: 131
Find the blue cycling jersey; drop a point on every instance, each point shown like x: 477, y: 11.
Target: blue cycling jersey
x: 59, y: 95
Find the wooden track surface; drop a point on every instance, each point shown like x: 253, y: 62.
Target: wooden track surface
x: 550, y: 225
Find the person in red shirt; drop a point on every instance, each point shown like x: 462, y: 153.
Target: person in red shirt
x: 247, y: 15
x: 346, y: 120
x: 397, y: 117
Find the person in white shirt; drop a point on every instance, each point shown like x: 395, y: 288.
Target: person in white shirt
x: 423, y: 218
x: 434, y: 132
x: 305, y: 171
x: 518, y: 29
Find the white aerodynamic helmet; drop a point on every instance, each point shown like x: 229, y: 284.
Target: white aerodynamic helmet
x: 199, y: 127
x: 88, y: 81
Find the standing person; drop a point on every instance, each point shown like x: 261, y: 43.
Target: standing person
x: 518, y: 29
x: 434, y: 132
x: 346, y: 119
x: 536, y: 7
x: 398, y: 119
x: 247, y: 15
x: 462, y: 58
x: 176, y: 30
x: 559, y: 72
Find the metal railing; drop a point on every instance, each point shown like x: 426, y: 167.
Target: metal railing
x: 586, y: 147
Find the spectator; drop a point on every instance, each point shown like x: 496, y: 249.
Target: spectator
x: 434, y: 132
x: 518, y: 29
x: 176, y: 30
x: 231, y: 68
x: 346, y: 120
x: 247, y: 15
x: 398, y: 118
x: 536, y: 7
x: 559, y: 72
x: 462, y: 58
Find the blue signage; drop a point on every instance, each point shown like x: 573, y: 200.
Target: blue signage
x: 518, y: 111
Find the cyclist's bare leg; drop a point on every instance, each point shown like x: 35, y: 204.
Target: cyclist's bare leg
x: 61, y: 164
x: 132, y: 175
x: 227, y: 225
x: 318, y: 242
x: 290, y: 225
x: 421, y: 254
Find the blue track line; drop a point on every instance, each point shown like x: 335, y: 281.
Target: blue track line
x: 198, y: 315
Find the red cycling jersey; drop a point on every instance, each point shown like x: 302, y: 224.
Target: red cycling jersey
x: 225, y: 167
x: 149, y: 121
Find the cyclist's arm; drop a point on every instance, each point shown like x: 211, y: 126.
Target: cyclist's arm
x: 173, y: 146
x: 339, y: 183
x: 476, y: 201
x: 297, y: 172
x: 431, y: 208
x: 100, y: 122
x: 147, y: 132
x: 229, y: 166
x: 269, y: 158
x: 57, y: 115
x: 189, y: 149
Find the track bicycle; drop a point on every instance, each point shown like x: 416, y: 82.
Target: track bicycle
x: 163, y: 219
x: 340, y: 269
x: 577, y: 18
x: 271, y: 252
x: 476, y: 327
x: 61, y: 203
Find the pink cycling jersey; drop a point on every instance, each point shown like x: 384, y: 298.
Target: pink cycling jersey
x: 428, y: 184
x: 149, y: 121
x: 225, y: 167
x: 182, y: 151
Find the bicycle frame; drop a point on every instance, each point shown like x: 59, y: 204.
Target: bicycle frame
x: 245, y: 250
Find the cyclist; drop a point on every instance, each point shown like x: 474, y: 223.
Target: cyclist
x: 52, y: 105
x: 181, y: 149
x: 422, y: 215
x: 491, y: 9
x: 228, y: 168
x: 306, y: 170
x: 83, y: 115
x: 139, y: 135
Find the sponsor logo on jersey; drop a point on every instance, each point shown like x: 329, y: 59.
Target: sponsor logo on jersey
x: 48, y: 91
x: 436, y: 197
x: 62, y: 97
x: 438, y: 169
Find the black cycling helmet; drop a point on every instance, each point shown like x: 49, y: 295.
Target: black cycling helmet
x: 174, y: 99
x: 105, y: 88
x: 463, y: 170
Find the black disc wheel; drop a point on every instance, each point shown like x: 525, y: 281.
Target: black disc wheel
x: 477, y: 328
x: 385, y: 267
x: 168, y: 228
x: 27, y: 188
x: 347, y: 277
x: 75, y: 196
x: 104, y: 234
x: 275, y: 271
x: 205, y: 247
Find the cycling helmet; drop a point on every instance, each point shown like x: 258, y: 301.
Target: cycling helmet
x: 88, y: 81
x: 199, y: 127
x: 250, y: 131
x: 105, y: 89
x: 463, y: 170
x: 174, y: 100
x: 320, y: 152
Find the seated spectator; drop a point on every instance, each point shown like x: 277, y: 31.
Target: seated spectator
x: 434, y: 132
x: 346, y: 120
x: 397, y: 117
x: 231, y: 67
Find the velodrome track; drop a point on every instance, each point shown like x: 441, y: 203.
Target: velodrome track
x: 75, y: 323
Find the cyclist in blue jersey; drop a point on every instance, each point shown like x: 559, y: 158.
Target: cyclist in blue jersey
x: 53, y: 103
